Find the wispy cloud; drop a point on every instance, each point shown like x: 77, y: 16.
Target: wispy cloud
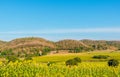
x: 64, y: 31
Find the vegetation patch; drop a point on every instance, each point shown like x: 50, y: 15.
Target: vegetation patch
x: 12, y: 58
x: 100, y: 56
x: 72, y: 62
x: 113, y: 62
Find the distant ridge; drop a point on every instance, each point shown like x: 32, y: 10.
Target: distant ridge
x: 28, y: 44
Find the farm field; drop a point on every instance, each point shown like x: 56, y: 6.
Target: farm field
x: 33, y: 69
x: 37, y: 67
x: 85, y: 56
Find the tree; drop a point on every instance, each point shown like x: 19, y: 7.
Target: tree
x: 77, y: 59
x: 113, y: 62
x: 77, y: 50
x: 73, y: 62
x: 7, y: 52
x: 46, y: 50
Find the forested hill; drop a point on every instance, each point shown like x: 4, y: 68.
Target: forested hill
x: 33, y: 45
x: 102, y: 44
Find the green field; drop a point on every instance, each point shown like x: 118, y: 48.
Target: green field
x: 37, y: 67
x: 85, y: 56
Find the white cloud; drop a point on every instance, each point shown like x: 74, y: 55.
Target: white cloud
x: 64, y: 31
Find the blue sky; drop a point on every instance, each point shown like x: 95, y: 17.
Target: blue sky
x: 60, y: 19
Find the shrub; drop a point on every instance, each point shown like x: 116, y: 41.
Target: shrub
x: 113, y: 62
x: 12, y: 58
x: 71, y: 62
x: 77, y: 59
x: 77, y: 50
x: 100, y: 56
x: 46, y: 50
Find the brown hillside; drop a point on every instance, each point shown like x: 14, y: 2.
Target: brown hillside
x: 70, y: 44
x: 2, y: 44
x: 102, y: 44
x: 28, y: 44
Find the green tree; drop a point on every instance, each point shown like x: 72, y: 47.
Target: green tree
x: 46, y: 50
x: 77, y: 50
x: 77, y: 59
x: 7, y: 52
x: 113, y: 62
x: 71, y: 62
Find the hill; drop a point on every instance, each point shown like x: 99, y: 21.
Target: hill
x: 102, y: 44
x: 70, y: 44
x: 30, y: 42
x: 2, y: 43
x: 30, y: 45
x: 36, y: 45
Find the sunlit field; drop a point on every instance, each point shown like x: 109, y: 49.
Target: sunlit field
x: 33, y: 69
x: 38, y: 67
x: 85, y: 56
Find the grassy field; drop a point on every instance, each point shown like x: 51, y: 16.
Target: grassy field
x: 38, y: 66
x: 85, y: 56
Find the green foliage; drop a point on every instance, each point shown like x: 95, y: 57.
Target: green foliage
x: 7, y: 53
x: 72, y: 62
x: 80, y: 49
x: 100, y: 56
x: 46, y: 50
x: 12, y: 58
x: 113, y: 62
x: 77, y: 50
x: 49, y: 63
x: 77, y: 59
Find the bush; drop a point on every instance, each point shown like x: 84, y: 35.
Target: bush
x: 46, y: 50
x: 113, y: 62
x: 77, y: 59
x: 100, y: 56
x: 72, y: 62
x: 7, y: 52
x: 12, y: 58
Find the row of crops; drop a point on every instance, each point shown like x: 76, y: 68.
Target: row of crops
x: 36, y: 69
